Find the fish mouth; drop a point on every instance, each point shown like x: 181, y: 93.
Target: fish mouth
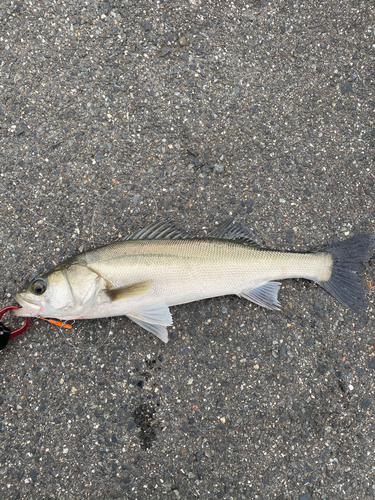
x: 28, y: 309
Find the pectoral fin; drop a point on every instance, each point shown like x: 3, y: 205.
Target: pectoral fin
x: 153, y: 318
x: 129, y: 290
x: 264, y: 295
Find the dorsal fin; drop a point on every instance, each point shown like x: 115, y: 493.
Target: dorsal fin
x: 229, y: 230
x: 162, y: 229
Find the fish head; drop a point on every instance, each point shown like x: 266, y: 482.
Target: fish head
x: 44, y: 295
x: 61, y: 293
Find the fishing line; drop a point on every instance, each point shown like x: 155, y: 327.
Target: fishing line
x: 93, y: 349
x: 61, y: 231
x: 37, y: 216
x: 132, y: 185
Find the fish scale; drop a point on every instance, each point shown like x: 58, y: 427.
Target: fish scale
x: 189, y: 270
x: 158, y: 267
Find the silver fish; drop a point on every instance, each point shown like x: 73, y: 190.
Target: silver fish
x: 159, y: 267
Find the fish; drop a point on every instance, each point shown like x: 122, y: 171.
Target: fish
x: 158, y: 267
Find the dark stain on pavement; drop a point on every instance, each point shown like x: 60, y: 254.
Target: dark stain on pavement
x: 144, y: 418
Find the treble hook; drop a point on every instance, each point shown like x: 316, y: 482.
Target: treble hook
x: 5, y: 333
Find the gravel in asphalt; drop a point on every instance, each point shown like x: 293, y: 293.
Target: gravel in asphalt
x: 112, y: 112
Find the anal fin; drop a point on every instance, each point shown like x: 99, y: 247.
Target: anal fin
x: 264, y: 295
x: 154, y: 318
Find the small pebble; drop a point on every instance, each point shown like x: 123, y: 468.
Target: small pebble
x: 318, y: 306
x: 282, y: 352
x: 165, y: 51
x: 366, y: 403
x: 131, y: 425
x: 305, y: 496
x: 33, y: 475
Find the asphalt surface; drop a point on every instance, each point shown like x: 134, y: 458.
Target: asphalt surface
x: 114, y: 112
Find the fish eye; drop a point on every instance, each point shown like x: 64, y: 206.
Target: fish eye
x: 38, y: 286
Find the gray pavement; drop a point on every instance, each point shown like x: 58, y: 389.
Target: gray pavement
x: 114, y: 112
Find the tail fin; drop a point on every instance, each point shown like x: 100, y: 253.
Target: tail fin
x: 345, y: 283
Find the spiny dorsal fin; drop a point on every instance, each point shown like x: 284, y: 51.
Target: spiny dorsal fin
x: 160, y: 230
x: 230, y: 230
x: 129, y: 290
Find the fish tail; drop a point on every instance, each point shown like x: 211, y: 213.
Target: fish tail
x: 344, y: 282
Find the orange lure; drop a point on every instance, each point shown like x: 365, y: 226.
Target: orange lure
x: 58, y: 323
